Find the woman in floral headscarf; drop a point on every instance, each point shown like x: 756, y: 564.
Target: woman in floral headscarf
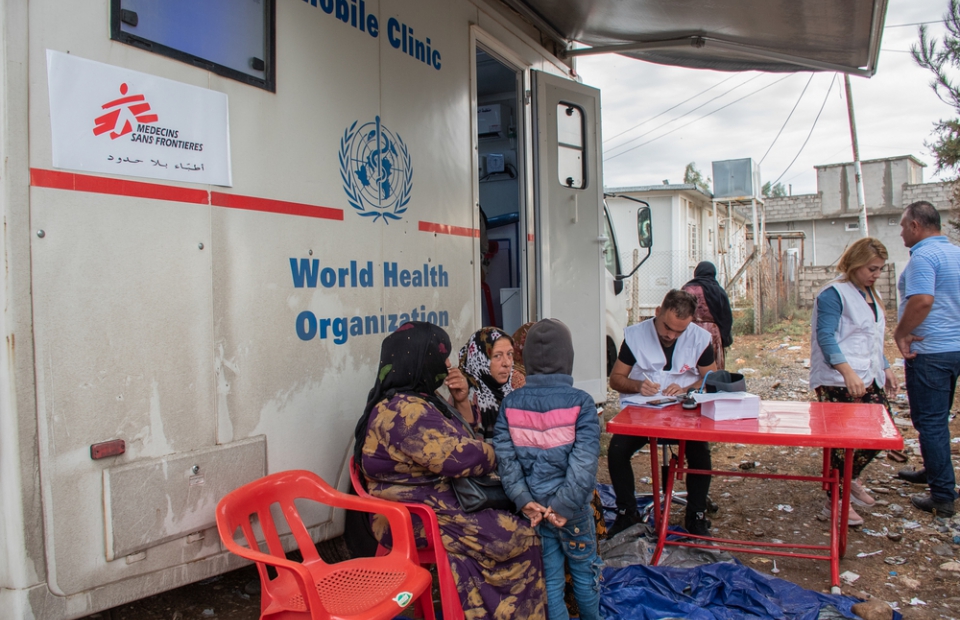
x: 410, y: 443
x: 492, y: 363
x: 487, y: 363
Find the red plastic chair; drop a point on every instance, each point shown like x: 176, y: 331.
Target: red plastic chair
x: 363, y: 588
x: 433, y: 553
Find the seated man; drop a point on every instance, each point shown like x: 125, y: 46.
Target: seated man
x: 663, y: 355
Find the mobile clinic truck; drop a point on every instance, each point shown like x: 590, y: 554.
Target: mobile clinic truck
x: 213, y: 213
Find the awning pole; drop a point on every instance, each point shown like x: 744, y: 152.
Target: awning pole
x: 861, y: 201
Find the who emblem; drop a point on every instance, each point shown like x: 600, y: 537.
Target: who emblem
x: 376, y: 171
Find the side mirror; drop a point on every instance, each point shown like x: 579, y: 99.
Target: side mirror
x: 644, y: 227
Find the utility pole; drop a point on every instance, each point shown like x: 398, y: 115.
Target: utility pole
x: 757, y: 261
x: 861, y: 201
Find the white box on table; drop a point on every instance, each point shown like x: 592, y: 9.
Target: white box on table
x: 729, y: 406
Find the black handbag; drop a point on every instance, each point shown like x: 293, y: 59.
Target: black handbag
x: 477, y: 493
x: 724, y: 381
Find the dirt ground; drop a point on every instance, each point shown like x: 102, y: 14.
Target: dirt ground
x: 896, y: 554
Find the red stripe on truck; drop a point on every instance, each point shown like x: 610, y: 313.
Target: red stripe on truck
x: 447, y: 229
x: 251, y: 203
x: 57, y: 179
x: 120, y: 187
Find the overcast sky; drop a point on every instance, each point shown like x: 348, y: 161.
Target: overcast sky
x: 895, y: 113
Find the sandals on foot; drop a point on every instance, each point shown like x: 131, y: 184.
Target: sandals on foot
x: 853, y: 519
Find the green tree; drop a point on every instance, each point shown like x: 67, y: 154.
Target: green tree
x: 776, y: 191
x: 941, y: 58
x: 692, y: 176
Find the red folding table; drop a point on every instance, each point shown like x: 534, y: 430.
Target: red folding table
x: 781, y: 423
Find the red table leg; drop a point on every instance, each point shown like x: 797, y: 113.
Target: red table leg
x: 834, y: 491
x: 655, y: 476
x: 664, y: 522
x: 845, y: 498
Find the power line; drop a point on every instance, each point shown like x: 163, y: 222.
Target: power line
x: 687, y: 113
x: 936, y: 21
x: 700, y: 118
x: 671, y: 108
x: 788, y: 119
x: 812, y: 127
x: 826, y: 158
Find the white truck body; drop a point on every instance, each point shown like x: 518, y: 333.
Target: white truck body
x: 201, y: 255
x: 223, y: 331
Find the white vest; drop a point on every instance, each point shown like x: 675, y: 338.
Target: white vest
x: 859, y: 335
x: 645, y: 345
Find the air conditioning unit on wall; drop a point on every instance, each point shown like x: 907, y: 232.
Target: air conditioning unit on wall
x: 489, y: 121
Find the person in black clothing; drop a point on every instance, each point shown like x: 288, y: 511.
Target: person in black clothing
x: 669, y: 356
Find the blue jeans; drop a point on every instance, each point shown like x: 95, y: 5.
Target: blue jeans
x: 576, y: 542
x: 931, y: 382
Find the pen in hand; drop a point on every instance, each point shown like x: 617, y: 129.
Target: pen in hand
x: 653, y: 385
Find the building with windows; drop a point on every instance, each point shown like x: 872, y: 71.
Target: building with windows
x: 829, y: 219
x: 687, y: 228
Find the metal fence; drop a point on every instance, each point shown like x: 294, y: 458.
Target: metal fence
x: 664, y: 271
x: 771, y: 283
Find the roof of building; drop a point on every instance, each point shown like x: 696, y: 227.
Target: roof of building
x: 663, y: 187
x: 874, y: 161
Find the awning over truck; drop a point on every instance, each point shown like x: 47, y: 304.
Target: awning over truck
x: 726, y: 35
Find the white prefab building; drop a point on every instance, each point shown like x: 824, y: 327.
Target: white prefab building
x: 688, y: 227
x: 214, y: 212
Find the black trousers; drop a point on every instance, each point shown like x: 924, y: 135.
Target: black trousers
x: 621, y: 450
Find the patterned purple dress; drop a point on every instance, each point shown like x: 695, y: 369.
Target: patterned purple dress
x: 704, y: 319
x: 410, y: 452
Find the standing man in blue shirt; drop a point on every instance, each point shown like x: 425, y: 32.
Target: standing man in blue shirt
x: 929, y: 341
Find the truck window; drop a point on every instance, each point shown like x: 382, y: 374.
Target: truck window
x: 570, y: 163
x: 232, y: 39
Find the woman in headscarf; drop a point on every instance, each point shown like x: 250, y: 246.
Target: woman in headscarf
x: 492, y: 372
x: 410, y: 443
x: 713, y: 308
x: 486, y: 361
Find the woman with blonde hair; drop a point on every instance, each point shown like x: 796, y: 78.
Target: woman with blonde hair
x: 847, y: 364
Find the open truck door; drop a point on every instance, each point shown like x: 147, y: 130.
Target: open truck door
x: 568, y: 197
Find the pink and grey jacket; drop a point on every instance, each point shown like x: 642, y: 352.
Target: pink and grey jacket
x: 547, y: 441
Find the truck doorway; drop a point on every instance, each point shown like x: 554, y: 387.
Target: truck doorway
x: 504, y: 285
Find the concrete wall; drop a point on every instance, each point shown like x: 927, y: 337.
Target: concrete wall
x: 800, y: 207
x: 827, y: 236
x: 937, y: 194
x: 812, y: 279
x: 883, y: 182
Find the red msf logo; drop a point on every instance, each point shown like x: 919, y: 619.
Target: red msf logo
x: 126, y: 109
x: 684, y: 369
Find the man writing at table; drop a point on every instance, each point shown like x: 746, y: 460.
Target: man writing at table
x: 929, y: 341
x: 664, y: 355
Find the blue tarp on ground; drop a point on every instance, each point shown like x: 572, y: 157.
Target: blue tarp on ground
x: 725, y: 591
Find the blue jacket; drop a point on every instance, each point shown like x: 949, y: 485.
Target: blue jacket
x: 547, y: 441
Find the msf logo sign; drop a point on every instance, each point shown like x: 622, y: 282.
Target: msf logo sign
x: 123, y: 114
